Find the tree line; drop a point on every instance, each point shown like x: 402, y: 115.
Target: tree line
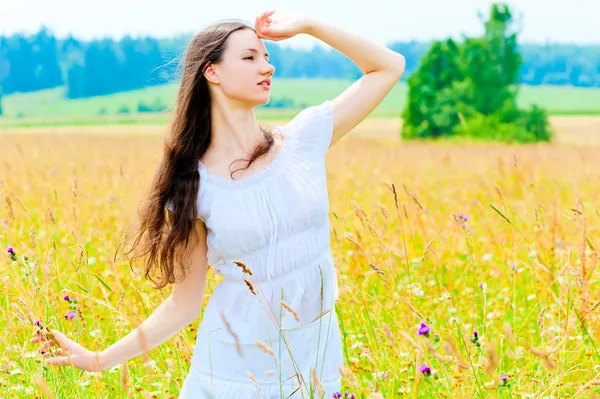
x: 103, y: 66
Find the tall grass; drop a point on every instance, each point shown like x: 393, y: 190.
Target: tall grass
x: 488, y: 238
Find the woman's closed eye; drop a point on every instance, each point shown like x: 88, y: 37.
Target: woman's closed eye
x: 249, y: 57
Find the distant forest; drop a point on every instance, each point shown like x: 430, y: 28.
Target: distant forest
x: 104, y: 66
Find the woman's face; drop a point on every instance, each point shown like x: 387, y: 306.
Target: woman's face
x: 244, y: 66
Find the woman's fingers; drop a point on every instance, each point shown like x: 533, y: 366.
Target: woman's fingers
x: 45, y: 346
x: 59, y: 361
x: 58, y: 352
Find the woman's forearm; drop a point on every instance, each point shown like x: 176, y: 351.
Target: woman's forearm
x: 368, y: 55
x: 168, y: 318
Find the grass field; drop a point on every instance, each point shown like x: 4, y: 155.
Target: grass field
x: 48, y: 107
x: 498, y: 239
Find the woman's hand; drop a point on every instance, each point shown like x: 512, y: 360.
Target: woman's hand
x: 68, y: 352
x: 279, y: 27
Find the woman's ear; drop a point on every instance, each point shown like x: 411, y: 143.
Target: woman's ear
x: 210, y: 73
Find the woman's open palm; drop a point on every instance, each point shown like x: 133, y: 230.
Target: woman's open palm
x: 277, y: 28
x: 67, y: 352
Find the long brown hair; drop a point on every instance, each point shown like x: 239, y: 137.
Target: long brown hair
x: 177, y: 178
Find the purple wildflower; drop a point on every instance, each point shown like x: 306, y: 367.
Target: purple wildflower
x: 37, y: 323
x: 347, y: 395
x: 66, y: 298
x: 336, y: 395
x: 504, y: 377
x: 424, y: 329
x: 464, y: 218
x: 425, y: 369
x: 11, y: 250
x: 70, y: 315
x: 475, y: 333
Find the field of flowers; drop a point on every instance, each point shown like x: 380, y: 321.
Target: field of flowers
x: 465, y: 271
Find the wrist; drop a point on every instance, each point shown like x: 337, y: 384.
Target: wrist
x: 102, y: 361
x: 309, y: 25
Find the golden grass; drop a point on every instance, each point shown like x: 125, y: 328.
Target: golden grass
x: 521, y: 269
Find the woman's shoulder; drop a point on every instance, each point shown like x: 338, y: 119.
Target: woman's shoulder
x: 312, y: 127
x: 312, y: 115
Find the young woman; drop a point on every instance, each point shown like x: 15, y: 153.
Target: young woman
x: 270, y: 328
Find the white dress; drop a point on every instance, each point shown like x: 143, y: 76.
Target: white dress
x: 276, y: 223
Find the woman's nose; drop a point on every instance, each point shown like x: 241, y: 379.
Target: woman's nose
x: 269, y: 68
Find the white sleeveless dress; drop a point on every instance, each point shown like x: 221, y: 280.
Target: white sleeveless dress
x: 276, y: 223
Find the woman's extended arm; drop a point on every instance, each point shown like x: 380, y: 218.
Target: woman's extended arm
x: 182, y: 307
x: 382, y: 67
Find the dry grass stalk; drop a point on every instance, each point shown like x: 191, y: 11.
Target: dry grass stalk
x: 413, y: 196
x: 292, y: 311
x: 243, y: 266
x: 51, y: 215
x: 492, y: 360
x: 124, y: 377
x: 265, y: 348
x: 9, y: 208
x: 434, y: 354
x: 32, y: 236
x: 250, y: 286
x: 376, y: 269
x: 233, y: 334
x: 251, y: 376
x: 353, y: 240
x: 413, y: 342
x: 321, y: 315
x: 21, y: 203
x: 319, y: 391
x: 509, y: 333
x: 411, y: 307
x: 43, y: 387
x: 540, y: 319
x: 389, y: 335
x: 451, y: 348
x: 549, y: 363
x: 347, y: 374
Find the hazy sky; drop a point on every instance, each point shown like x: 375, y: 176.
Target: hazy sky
x: 380, y: 20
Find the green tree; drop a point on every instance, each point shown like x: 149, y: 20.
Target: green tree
x: 470, y: 88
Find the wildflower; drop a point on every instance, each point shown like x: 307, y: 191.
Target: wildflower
x: 436, y: 338
x: 70, y: 315
x: 464, y: 218
x: 336, y: 395
x: 347, y: 395
x: 12, y: 254
x: 37, y: 323
x: 66, y: 298
x: 425, y: 369
x: 475, y: 338
x: 504, y: 380
x: 424, y: 329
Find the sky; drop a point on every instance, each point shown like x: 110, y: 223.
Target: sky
x: 384, y: 21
